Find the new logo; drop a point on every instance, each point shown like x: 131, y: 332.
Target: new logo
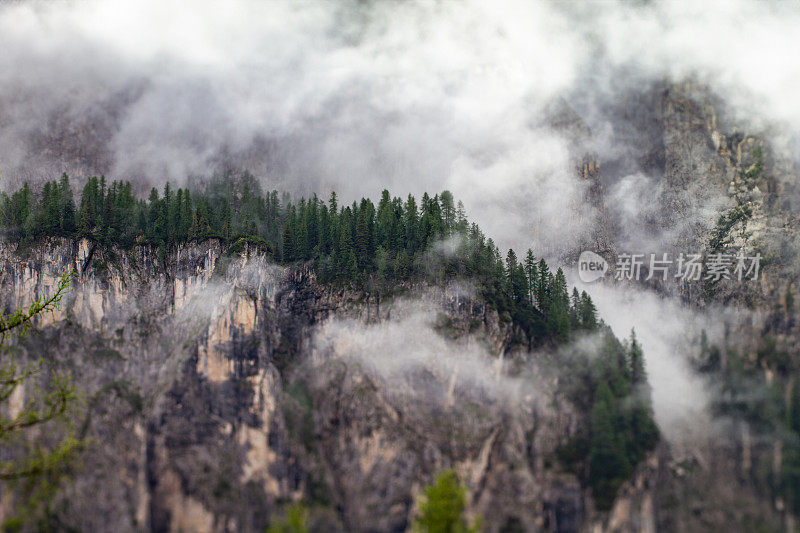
x: 591, y: 266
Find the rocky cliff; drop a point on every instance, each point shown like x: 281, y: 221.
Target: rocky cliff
x: 220, y: 387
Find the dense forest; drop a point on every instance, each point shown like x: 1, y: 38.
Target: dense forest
x: 374, y: 248
x: 361, y: 244
x: 611, y: 388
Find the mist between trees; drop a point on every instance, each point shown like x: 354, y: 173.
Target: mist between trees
x: 377, y: 249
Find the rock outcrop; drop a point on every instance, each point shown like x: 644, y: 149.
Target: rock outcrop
x: 219, y: 388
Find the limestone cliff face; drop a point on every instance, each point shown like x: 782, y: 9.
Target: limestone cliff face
x: 221, y: 387
x: 701, y: 165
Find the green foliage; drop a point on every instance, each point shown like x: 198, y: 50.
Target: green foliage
x: 442, y: 508
x: 371, y: 248
x: 34, y: 467
x: 740, y: 214
x: 376, y: 249
x: 295, y: 522
x: 608, y: 463
x: 721, y: 234
x: 613, y: 393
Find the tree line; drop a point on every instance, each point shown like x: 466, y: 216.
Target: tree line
x: 363, y: 244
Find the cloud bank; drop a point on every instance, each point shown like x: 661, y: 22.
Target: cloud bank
x: 358, y: 96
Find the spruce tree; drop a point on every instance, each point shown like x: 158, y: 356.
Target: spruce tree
x: 575, y: 310
x: 542, y: 287
x: 442, y: 509
x: 411, y: 220
x: 51, y: 209
x: 155, y: 221
x: 461, y: 218
x: 531, y: 274
x: 608, y: 464
x: 448, y: 211
x: 644, y: 432
x: 636, y: 358
x: 587, y: 312
x: 87, y: 218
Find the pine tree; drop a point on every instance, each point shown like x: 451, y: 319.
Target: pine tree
x: 794, y: 408
x: 87, y: 219
x: 100, y: 206
x: 461, y: 218
x: 17, y: 210
x: 608, y: 465
x: 68, y: 207
x: 186, y: 215
x: 587, y: 312
x: 411, y: 220
x: 155, y: 217
x: 644, y: 432
x: 300, y: 231
x: 51, y: 209
x: 575, y: 310
x: 542, y: 287
x: 333, y: 204
x: 636, y: 359
x: 558, y: 311
x: 516, y: 279
x: 363, y: 236
x: 167, y: 214
x: 442, y: 509
x: 531, y: 274
x: 288, y: 245
x: 381, y: 268
x: 448, y: 211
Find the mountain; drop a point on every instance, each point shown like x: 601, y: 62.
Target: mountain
x: 224, y: 378
x: 223, y: 386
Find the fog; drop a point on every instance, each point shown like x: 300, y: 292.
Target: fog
x: 669, y: 332
x: 357, y: 96
x: 417, y: 96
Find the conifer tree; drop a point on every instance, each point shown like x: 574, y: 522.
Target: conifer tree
x: 461, y: 218
x: 67, y: 207
x: 542, y: 287
x: 575, y: 309
x: 90, y: 207
x: 587, y: 312
x: 636, y: 358
x: 442, y: 509
x: 155, y: 219
x: 794, y: 408
x: 531, y: 275
x: 51, y: 209
x: 448, y: 211
x: 608, y: 465
x: 410, y: 218
x: 644, y: 432
x: 558, y: 311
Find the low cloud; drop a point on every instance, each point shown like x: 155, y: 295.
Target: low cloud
x: 669, y: 332
x: 398, y: 350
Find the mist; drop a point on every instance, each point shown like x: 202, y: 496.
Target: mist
x: 358, y: 97
x: 419, y: 96
x: 396, y: 350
